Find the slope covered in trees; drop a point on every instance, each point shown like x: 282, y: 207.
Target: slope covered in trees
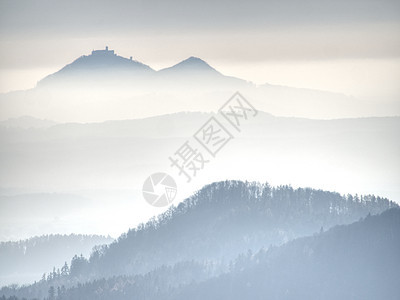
x: 356, y: 261
x: 209, y: 230
x: 227, y: 218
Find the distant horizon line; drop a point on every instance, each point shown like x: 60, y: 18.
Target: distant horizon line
x: 33, y: 118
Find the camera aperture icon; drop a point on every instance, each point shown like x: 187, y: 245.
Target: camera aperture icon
x: 159, y: 189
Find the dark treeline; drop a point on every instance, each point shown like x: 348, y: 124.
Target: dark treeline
x: 214, y: 229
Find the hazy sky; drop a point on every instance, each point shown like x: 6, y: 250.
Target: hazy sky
x: 345, y: 46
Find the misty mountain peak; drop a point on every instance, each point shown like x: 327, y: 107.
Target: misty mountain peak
x: 105, y: 59
x: 195, y: 61
x: 191, y: 64
x: 103, y: 67
x: 101, y: 62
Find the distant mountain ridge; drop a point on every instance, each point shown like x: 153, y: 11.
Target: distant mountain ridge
x: 107, y: 65
x: 103, y: 86
x: 27, y: 122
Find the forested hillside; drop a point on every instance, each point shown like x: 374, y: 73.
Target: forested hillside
x: 227, y: 218
x: 357, y: 261
x: 205, y: 236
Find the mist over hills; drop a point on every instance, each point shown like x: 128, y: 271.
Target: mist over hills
x: 116, y: 121
x: 206, y: 243
x: 104, y: 86
x: 25, y: 261
x: 269, y: 130
x: 99, y: 168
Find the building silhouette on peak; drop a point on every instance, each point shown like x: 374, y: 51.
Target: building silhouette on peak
x: 103, y: 52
